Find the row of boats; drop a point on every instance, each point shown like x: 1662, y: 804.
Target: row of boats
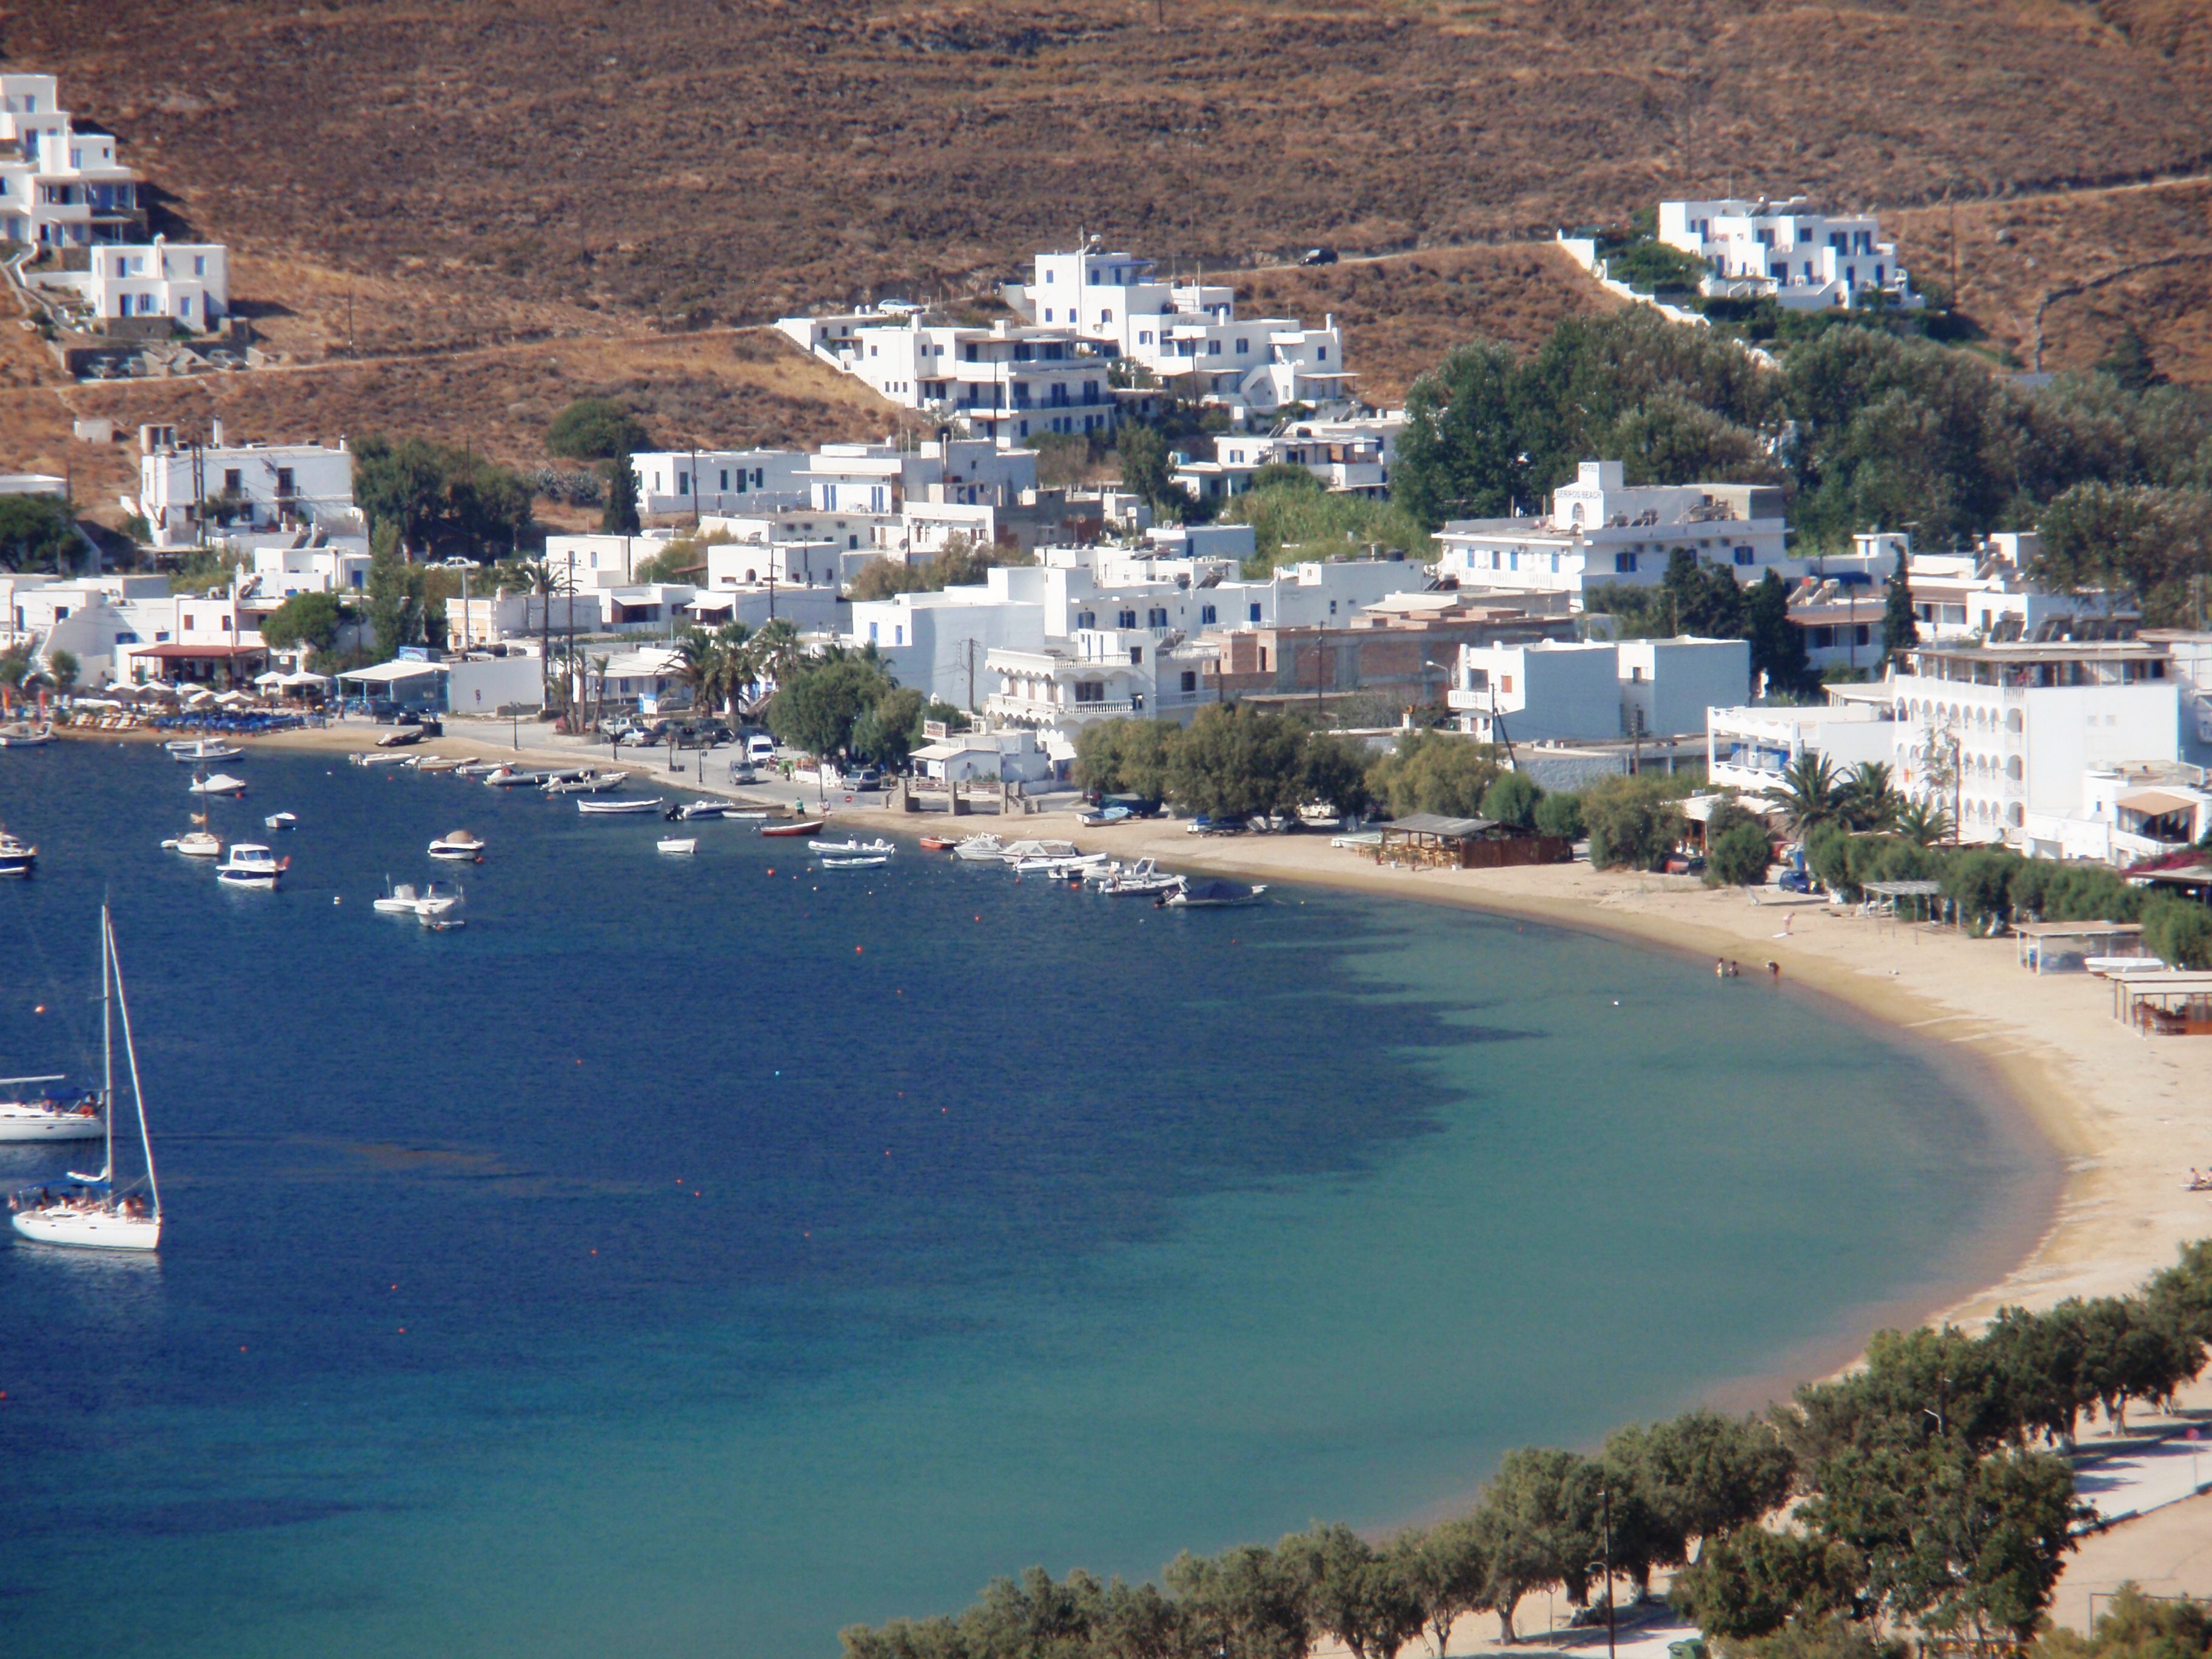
x: 1062, y: 860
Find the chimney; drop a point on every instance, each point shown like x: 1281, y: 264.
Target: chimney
x: 215, y: 433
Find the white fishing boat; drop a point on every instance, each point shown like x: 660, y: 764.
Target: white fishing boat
x: 458, y: 846
x: 49, y: 1114
x: 96, y: 1212
x: 196, y: 842
x: 250, y: 866
x: 981, y: 849
x: 692, y: 810
x: 1080, y: 863
x: 204, y: 748
x: 851, y: 847
x: 618, y: 808
x: 442, y: 763
x: 370, y: 757
x: 1145, y: 886
x: 678, y: 846
x: 280, y: 821
x: 510, y: 777
x: 17, y: 858
x: 585, y: 783
x: 1213, y: 895
x: 438, y: 898
x: 865, y: 861
x: 478, y: 768
x: 221, y: 784
x: 1015, y: 853
x: 24, y: 735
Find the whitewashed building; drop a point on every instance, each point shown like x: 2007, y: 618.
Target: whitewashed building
x: 1350, y: 456
x: 158, y: 282
x: 182, y: 488
x: 1102, y: 674
x: 719, y: 480
x: 2126, y: 814
x: 1557, y: 690
x: 1749, y: 749
x: 60, y: 187
x: 1802, y: 259
x: 1600, y: 531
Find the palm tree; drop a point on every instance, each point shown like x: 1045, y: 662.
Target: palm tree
x: 1810, y: 795
x: 775, y: 650
x: 539, y: 578
x: 1923, y: 823
x: 1867, y: 799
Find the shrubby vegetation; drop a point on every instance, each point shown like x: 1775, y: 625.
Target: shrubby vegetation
x: 36, y: 533
x: 1916, y: 1492
x: 835, y: 703
x: 961, y: 564
x: 1293, y: 517
x: 434, y: 498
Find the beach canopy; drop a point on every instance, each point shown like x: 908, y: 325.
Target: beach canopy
x: 272, y: 678
x: 302, y: 677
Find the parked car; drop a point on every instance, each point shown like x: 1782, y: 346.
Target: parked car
x: 868, y: 778
x: 1319, y: 256
x: 643, y: 737
x: 1205, y: 825
x: 741, y: 771
x: 1795, y: 881
x: 1685, y: 864
x: 713, y: 733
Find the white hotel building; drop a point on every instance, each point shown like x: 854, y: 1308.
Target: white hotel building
x: 59, y: 187
x: 1802, y: 259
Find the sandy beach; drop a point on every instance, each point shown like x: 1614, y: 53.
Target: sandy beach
x: 2128, y: 1115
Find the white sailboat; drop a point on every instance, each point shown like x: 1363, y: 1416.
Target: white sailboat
x: 95, y: 1212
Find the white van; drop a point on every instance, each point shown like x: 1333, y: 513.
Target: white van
x: 760, y: 750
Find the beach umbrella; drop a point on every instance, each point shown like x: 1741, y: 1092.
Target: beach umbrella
x: 272, y: 678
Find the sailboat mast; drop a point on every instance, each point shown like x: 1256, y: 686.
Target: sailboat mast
x: 107, y: 1049
x: 130, y: 1055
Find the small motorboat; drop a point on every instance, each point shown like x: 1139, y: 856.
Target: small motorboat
x: 396, y: 900
x: 1103, y: 814
x: 680, y: 846
x: 442, y: 764
x: 478, y: 768
x: 221, y: 784
x: 508, y: 777
x: 1213, y: 895
x: 458, y: 846
x: 195, y: 844
x: 851, y: 847
x: 618, y: 808
x: 206, y: 749
x: 370, y: 757
x: 702, y: 809
x: 864, y: 862
x: 746, y: 813
x: 400, y: 737
x: 280, y: 821
x: 250, y: 866
x: 50, y: 1115
x: 438, y: 899
x: 937, y: 843
x: 1078, y: 866
x: 801, y: 827
x: 583, y: 783
x: 981, y: 849
x: 17, y: 858
x: 1134, y: 886
x: 24, y: 735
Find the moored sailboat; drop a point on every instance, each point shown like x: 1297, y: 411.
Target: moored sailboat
x: 96, y: 1212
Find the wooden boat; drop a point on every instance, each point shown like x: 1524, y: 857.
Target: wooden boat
x: 677, y: 846
x: 802, y: 827
x: 865, y: 862
x: 24, y: 735
x: 937, y: 843
x: 853, y: 846
x: 618, y: 808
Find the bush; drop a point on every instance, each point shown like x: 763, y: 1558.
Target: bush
x: 2178, y: 931
x: 1512, y: 801
x: 1738, y: 857
x: 596, y: 429
x: 1633, y: 822
x: 1561, y: 815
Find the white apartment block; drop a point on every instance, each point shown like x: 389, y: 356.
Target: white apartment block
x: 303, y: 565
x: 1556, y: 691
x: 2020, y: 724
x: 600, y: 561
x: 1350, y: 456
x: 185, y: 488
x: 2126, y: 814
x: 1802, y: 259
x: 1599, y: 531
x: 59, y: 187
x: 1101, y: 674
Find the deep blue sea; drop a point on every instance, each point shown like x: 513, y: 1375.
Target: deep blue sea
x: 695, y: 1257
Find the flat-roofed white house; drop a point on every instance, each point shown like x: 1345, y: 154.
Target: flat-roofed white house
x: 719, y: 480
x: 1350, y: 456
x: 184, y: 489
x: 1599, y: 530
x: 1102, y: 674
x: 158, y: 283
x: 2126, y: 814
x: 62, y: 182
x: 1788, y: 251
x: 1749, y: 748
x: 1561, y: 690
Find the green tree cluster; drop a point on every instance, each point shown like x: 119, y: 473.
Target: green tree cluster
x: 840, y: 704
x: 36, y: 533
x: 1292, y: 517
x: 596, y: 429
x: 305, y: 619
x: 433, y: 497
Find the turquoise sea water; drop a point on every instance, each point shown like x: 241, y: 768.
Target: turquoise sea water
x: 686, y: 1258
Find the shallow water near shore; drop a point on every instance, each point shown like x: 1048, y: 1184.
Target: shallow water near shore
x: 686, y: 1256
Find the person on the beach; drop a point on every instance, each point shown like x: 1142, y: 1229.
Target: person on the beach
x: 1720, y: 967
x: 1775, y: 969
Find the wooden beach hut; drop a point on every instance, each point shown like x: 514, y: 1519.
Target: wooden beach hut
x: 1430, y: 841
x: 2164, y: 1002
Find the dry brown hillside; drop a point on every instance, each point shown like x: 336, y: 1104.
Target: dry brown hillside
x: 421, y: 177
